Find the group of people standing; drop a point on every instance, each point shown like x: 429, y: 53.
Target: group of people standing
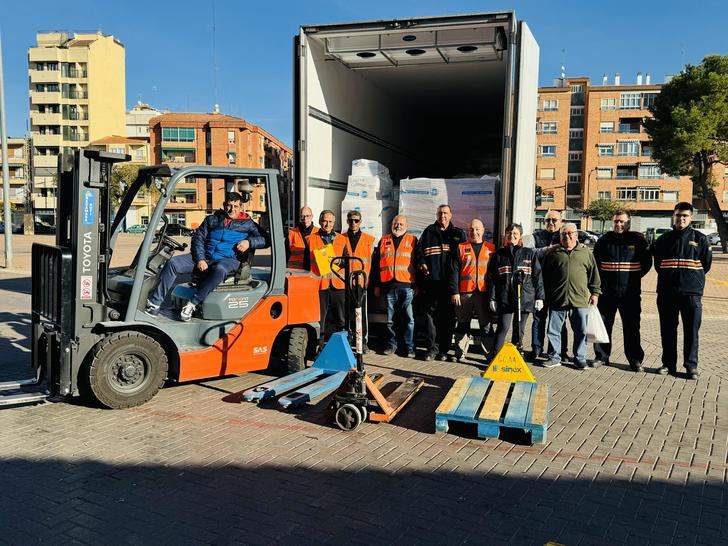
x: 448, y: 275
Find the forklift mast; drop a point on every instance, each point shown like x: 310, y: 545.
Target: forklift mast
x: 69, y: 278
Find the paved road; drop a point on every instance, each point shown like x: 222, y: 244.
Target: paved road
x: 631, y: 459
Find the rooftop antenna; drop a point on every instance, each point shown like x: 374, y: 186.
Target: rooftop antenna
x: 214, y: 57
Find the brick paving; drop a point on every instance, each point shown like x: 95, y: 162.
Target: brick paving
x: 631, y: 459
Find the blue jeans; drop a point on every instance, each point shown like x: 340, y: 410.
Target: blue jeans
x: 399, y: 310
x: 577, y: 318
x: 183, y: 264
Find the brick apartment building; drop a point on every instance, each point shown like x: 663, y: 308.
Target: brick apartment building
x: 213, y: 139
x: 592, y: 145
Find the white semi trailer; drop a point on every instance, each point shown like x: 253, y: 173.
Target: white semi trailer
x: 433, y: 97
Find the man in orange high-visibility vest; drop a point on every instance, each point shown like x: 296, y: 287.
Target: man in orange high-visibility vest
x: 361, y: 245
x: 331, y: 288
x: 393, y: 274
x: 296, y: 245
x: 468, y: 288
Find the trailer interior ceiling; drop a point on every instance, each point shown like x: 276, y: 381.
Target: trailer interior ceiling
x: 435, y: 95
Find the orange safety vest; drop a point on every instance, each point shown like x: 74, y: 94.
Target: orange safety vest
x: 364, y: 249
x: 297, y: 247
x: 315, y: 242
x: 397, y: 264
x: 473, y: 268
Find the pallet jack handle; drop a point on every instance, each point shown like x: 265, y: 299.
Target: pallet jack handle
x: 355, y: 282
x: 518, y: 277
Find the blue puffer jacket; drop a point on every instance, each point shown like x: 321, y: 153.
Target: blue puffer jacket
x: 213, y: 240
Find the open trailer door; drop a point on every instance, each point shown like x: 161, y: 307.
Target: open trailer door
x: 526, y: 106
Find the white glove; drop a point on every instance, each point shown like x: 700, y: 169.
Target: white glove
x: 493, y: 306
x: 538, y: 305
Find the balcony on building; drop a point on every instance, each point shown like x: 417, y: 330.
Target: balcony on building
x: 47, y: 139
x: 45, y: 97
x: 75, y: 94
x: 178, y: 155
x: 43, y: 201
x: 50, y: 160
x: 45, y: 118
x: 626, y: 172
x: 44, y: 76
x: 630, y: 125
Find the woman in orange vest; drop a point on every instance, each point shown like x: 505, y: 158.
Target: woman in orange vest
x: 394, y: 275
x: 361, y: 245
x: 296, y: 244
x: 468, y: 286
x: 331, y: 288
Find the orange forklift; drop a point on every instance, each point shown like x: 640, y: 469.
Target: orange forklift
x: 90, y: 335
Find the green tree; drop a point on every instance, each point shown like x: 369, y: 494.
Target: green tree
x: 689, y: 130
x: 603, y: 210
x: 122, y: 176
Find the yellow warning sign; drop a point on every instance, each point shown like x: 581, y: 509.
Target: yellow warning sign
x: 508, y: 365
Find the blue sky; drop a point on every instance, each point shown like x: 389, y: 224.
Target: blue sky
x: 169, y: 44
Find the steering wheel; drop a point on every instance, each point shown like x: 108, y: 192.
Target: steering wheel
x: 164, y: 241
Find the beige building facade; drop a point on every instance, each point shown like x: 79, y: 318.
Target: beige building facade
x: 17, y: 162
x: 592, y: 144
x: 77, y: 95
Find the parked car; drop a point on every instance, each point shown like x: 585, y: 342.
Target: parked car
x: 41, y: 228
x: 137, y: 228
x: 16, y: 228
x: 179, y: 229
x: 714, y: 238
x: 587, y: 238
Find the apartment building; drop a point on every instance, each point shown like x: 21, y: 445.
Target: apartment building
x: 592, y: 144
x: 77, y: 95
x: 217, y: 139
x: 17, y: 162
x: 137, y: 120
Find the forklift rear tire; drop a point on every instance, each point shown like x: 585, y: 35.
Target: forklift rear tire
x: 127, y: 370
x: 296, y: 354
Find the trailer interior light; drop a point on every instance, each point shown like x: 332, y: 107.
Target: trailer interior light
x: 467, y: 49
x: 415, y: 52
x: 366, y: 54
x: 409, y: 38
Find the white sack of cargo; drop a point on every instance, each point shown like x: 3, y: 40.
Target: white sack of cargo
x: 367, y: 167
x: 369, y: 187
x: 468, y: 198
x: 376, y: 216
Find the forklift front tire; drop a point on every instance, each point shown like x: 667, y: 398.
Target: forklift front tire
x: 296, y: 354
x: 127, y: 370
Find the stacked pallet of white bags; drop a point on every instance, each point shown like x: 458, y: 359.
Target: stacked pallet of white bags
x: 468, y: 198
x: 369, y: 191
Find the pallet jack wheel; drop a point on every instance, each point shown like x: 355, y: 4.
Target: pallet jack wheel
x: 364, y: 413
x: 348, y: 417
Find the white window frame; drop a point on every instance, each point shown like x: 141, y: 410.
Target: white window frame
x: 649, y: 193
x: 672, y: 196
x: 608, y: 104
x: 604, y: 195
x: 578, y: 156
x: 550, y: 105
x: 630, y: 100
x: 627, y: 147
x: 576, y: 133
x: 543, y: 153
x: 606, y: 126
x: 648, y: 98
x: 652, y: 167
x: 573, y: 178
x: 577, y: 111
x: 549, y: 127
x: 626, y: 193
x: 577, y: 88
x: 605, y: 150
x: 231, y: 137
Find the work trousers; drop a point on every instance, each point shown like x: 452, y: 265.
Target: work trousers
x: 671, y: 307
x: 577, y: 316
x: 538, y: 333
x: 629, y: 307
x: 504, y: 325
x: 469, y: 302
x: 183, y: 264
x: 400, y: 317
x: 331, y: 308
x: 439, y: 316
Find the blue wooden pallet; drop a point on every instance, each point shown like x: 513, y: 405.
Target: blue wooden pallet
x: 494, y: 405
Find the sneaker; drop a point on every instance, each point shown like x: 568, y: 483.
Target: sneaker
x: 664, y: 370
x: 693, y: 373
x: 580, y: 365
x: 151, y: 309
x: 636, y: 367
x: 429, y: 356
x: 442, y: 357
x: 565, y: 359
x: 598, y: 363
x: 388, y: 351
x: 551, y: 364
x: 411, y: 353
x: 187, y: 310
x: 455, y: 357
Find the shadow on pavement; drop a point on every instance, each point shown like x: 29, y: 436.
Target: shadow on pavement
x: 15, y: 348
x: 57, y: 500
x: 21, y: 285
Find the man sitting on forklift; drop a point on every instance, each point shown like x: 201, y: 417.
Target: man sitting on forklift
x: 218, y: 246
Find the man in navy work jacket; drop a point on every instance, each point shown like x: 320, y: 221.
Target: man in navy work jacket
x: 217, y: 246
x: 682, y: 258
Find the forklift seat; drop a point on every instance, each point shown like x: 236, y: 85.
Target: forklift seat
x: 239, y: 278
